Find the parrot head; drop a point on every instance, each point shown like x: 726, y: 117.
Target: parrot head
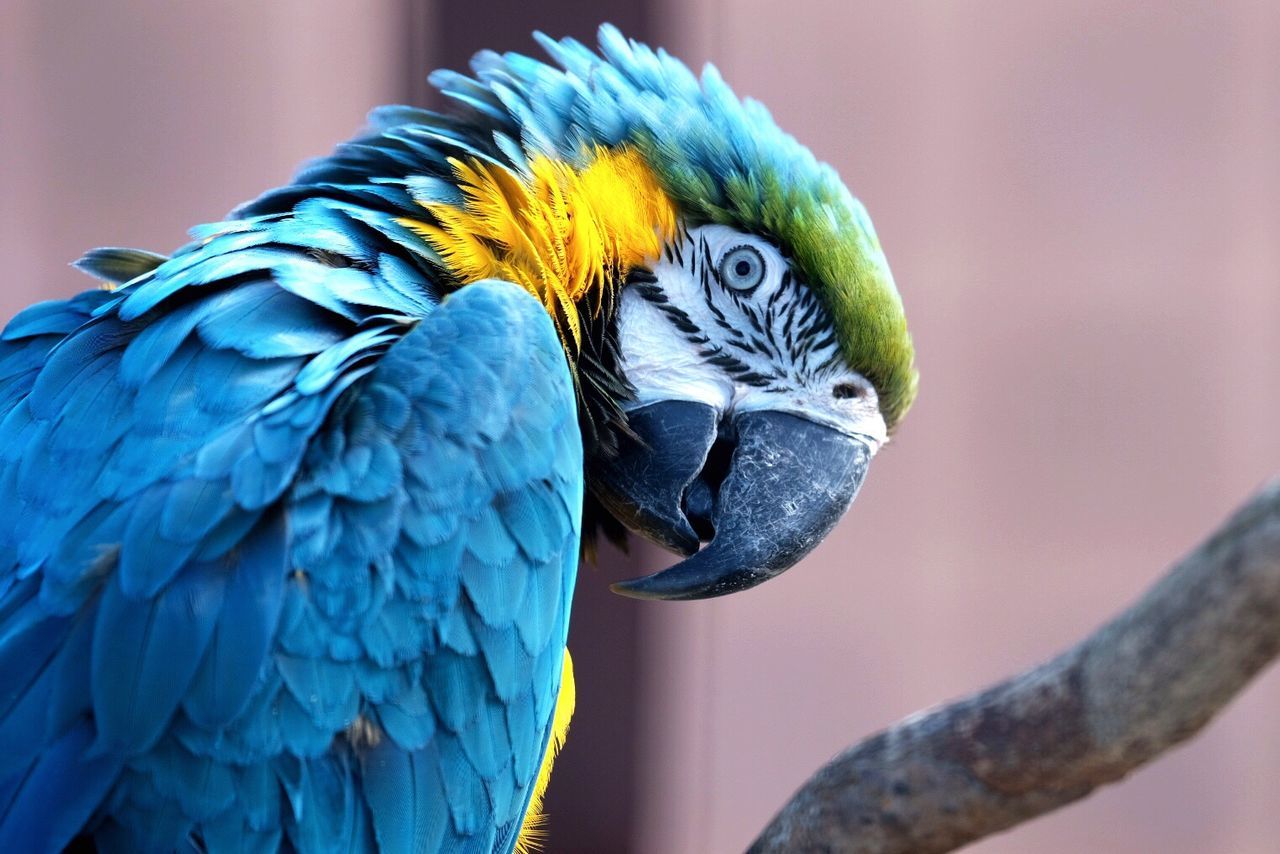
x: 739, y: 347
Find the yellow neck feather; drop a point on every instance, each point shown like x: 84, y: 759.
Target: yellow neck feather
x: 533, y: 831
x: 566, y: 234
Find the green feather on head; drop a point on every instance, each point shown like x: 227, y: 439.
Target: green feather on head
x: 729, y: 163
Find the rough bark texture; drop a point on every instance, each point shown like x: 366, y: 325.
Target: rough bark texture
x: 1149, y: 679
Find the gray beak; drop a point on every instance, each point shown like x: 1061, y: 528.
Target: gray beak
x: 761, y: 491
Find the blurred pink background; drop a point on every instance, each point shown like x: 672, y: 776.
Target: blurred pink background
x: 1081, y: 203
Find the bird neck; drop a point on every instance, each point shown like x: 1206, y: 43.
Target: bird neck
x: 568, y: 233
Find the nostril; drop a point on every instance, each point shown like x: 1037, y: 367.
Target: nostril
x: 844, y: 391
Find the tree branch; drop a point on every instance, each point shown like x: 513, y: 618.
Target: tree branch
x: 1146, y: 681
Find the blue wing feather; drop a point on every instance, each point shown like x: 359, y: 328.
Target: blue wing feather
x: 277, y: 544
x: 243, y: 633
x: 37, y: 820
x: 145, y: 654
x: 407, y: 799
x: 33, y: 659
x: 195, y: 648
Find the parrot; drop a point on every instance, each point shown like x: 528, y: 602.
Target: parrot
x: 294, y: 515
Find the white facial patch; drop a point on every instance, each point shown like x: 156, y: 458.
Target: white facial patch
x: 723, y: 321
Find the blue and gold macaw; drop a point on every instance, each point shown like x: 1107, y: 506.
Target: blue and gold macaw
x: 292, y: 518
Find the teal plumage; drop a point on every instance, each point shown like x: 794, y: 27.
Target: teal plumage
x: 306, y: 561
x: 293, y: 520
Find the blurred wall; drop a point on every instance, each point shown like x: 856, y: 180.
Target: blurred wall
x: 1081, y: 204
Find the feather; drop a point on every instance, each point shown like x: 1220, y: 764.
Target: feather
x: 299, y: 733
x: 229, y: 255
x: 148, y: 562
x: 332, y: 816
x: 264, y: 322
x: 323, y: 369
x: 192, y: 508
x: 53, y: 317
x: 406, y: 798
x: 118, y: 265
x: 325, y: 690
x: 467, y: 799
x: 56, y: 795
x: 244, y: 631
x: 29, y: 670
x: 394, y: 115
x: 408, y: 719
x: 455, y: 691
x: 201, y: 786
x: 485, y: 742
x: 496, y: 590
x: 230, y: 833
x: 544, y: 589
x: 72, y: 359
x: 145, y: 654
x: 514, y: 227
x: 526, y: 735
x: 555, y: 735
x: 456, y: 634
x: 258, y: 791
x: 508, y: 664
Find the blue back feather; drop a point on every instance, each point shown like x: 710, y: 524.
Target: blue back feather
x: 283, y: 540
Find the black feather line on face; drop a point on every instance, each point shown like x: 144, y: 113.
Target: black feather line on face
x: 602, y: 387
x: 602, y: 390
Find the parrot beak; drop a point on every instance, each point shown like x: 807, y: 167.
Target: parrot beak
x: 762, y: 491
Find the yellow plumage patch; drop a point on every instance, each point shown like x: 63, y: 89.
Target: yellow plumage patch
x: 534, y: 829
x: 566, y: 234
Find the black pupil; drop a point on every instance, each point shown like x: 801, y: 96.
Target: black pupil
x: 846, y: 390
x: 742, y: 268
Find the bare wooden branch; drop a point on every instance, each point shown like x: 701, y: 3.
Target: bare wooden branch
x: 1149, y: 679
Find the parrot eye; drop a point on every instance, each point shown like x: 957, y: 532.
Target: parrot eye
x: 845, y: 391
x: 742, y: 268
